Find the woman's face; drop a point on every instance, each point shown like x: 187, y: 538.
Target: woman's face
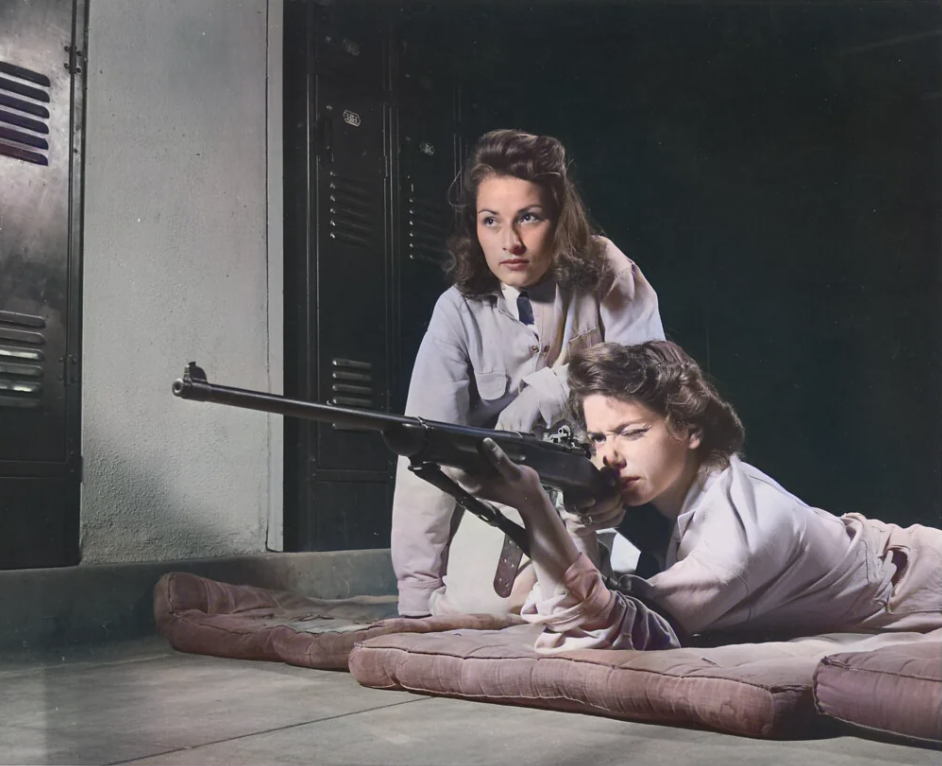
x: 515, y: 230
x: 653, y: 465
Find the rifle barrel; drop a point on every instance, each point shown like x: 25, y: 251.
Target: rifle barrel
x: 201, y: 391
x: 563, y: 466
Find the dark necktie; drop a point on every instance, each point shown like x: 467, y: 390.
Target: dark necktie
x: 524, y: 309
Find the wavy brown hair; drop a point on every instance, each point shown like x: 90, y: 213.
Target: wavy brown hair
x: 663, y: 377
x: 578, y: 258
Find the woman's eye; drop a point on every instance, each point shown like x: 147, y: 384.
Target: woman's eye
x: 530, y: 218
x: 634, y: 433
x: 489, y: 221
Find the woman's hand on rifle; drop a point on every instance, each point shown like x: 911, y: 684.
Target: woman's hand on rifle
x: 509, y: 484
x: 592, y: 515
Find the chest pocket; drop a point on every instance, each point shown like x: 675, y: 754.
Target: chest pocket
x: 584, y: 340
x: 491, y: 385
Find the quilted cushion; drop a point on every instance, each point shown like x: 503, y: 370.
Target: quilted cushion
x: 757, y: 690
x: 896, y: 689
x: 203, y: 616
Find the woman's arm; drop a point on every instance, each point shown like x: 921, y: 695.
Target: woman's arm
x: 552, y: 550
x: 628, y: 314
x: 421, y: 514
x: 741, y: 538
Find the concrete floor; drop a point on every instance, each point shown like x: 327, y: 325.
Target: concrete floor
x: 140, y: 702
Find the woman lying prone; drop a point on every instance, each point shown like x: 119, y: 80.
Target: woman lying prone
x: 745, y: 554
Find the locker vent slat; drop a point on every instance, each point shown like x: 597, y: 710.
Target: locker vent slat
x: 23, y: 93
x: 351, y: 386
x: 21, y: 383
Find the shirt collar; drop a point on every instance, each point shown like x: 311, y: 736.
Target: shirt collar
x: 510, y: 293
x: 698, y: 490
x: 543, y: 292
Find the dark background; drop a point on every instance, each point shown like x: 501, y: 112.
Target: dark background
x: 774, y: 168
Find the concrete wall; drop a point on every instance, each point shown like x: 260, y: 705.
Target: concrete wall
x: 176, y: 269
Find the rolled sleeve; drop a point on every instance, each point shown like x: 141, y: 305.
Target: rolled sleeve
x: 584, y: 614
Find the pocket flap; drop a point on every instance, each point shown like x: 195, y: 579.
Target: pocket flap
x: 491, y: 385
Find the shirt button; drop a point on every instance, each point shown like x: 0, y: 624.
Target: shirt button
x: 534, y: 349
x: 545, y: 349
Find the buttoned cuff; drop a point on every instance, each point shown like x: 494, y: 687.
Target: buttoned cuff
x: 581, y: 600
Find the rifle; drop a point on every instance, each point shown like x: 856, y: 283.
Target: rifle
x: 562, y: 462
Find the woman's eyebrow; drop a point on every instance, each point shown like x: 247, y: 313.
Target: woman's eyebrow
x: 620, y: 427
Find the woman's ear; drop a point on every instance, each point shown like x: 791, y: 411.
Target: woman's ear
x: 694, y: 438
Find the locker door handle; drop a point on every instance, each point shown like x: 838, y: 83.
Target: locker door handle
x: 325, y: 139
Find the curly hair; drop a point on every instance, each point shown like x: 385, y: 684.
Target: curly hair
x: 578, y: 260
x: 663, y: 377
